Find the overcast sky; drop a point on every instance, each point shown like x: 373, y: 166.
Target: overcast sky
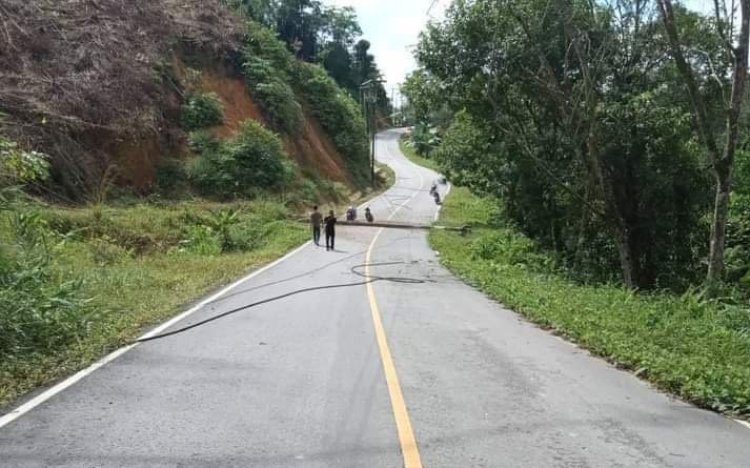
x: 393, y: 26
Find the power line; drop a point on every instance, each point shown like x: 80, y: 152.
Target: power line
x: 366, y: 279
x: 432, y: 4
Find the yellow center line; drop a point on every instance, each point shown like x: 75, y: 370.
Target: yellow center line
x: 406, y: 438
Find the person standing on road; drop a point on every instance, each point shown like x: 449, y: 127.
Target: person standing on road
x: 368, y: 215
x: 315, y: 220
x: 330, y: 222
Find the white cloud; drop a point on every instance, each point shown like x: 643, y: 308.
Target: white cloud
x: 393, y: 27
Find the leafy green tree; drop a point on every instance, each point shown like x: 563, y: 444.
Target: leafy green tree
x: 735, y: 45
x: 571, y: 116
x: 314, y: 33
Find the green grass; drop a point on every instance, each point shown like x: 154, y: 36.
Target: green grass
x: 412, y: 155
x: 139, y: 265
x: 696, y: 349
x: 385, y: 177
x: 131, y: 264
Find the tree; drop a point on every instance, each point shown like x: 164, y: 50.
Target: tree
x: 322, y: 34
x: 721, y: 159
x: 585, y: 143
x: 339, y: 33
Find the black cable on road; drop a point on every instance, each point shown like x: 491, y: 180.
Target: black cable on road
x: 354, y: 270
x: 238, y: 292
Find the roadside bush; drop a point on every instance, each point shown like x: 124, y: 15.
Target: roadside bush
x: 221, y: 223
x: 737, y: 255
x: 245, y: 165
x: 507, y: 246
x: 246, y: 236
x: 202, y: 111
x: 19, y: 166
x: 424, y: 139
x: 40, y: 311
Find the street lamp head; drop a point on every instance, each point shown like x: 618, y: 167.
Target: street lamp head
x: 371, y: 82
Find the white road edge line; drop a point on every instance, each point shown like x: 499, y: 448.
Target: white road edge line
x: 73, y: 379
x: 54, y: 390
x: 743, y: 423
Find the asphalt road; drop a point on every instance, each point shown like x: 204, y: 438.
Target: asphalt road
x: 387, y: 375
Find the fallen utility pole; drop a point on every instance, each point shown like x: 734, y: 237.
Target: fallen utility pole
x: 464, y: 229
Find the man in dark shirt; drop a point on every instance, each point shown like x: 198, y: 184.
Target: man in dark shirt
x: 330, y: 222
x: 315, y: 219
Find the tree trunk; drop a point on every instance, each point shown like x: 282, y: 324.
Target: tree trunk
x: 619, y: 224
x: 723, y: 161
x: 629, y: 276
x: 719, y: 227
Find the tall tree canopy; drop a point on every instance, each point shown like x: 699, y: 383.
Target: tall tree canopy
x: 324, y: 34
x: 573, y: 114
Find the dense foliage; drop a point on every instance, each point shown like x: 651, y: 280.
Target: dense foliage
x: 39, y: 310
x: 574, y: 117
x: 251, y: 162
x: 322, y: 34
x: 285, y: 86
x: 267, y: 69
x: 337, y: 113
x: 202, y: 110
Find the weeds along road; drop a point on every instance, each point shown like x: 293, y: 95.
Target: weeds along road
x: 421, y: 370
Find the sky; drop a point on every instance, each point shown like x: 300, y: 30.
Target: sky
x: 393, y: 27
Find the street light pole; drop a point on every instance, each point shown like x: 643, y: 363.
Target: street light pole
x: 368, y: 109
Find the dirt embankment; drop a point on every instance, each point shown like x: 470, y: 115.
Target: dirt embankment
x: 80, y: 78
x: 93, y: 84
x: 311, y: 148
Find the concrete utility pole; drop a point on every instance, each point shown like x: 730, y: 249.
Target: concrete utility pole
x: 368, y: 109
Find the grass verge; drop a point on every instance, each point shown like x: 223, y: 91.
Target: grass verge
x: 132, y: 267
x: 412, y: 155
x: 696, y: 349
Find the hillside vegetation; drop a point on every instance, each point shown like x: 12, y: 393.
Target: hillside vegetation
x: 101, y: 86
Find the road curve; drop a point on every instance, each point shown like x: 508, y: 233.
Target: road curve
x: 417, y: 370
